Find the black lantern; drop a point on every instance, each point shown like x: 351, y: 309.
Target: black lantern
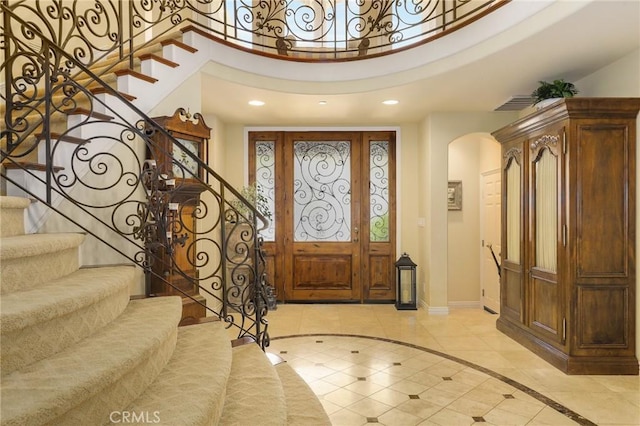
x: 406, y: 297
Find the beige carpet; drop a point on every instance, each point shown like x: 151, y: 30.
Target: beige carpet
x: 76, y: 350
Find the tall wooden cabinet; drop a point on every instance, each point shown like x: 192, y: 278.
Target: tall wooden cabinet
x: 568, y: 278
x: 178, y: 269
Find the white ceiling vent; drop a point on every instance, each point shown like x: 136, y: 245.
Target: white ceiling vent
x: 516, y: 103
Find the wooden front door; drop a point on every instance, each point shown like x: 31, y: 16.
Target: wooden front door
x: 333, y: 198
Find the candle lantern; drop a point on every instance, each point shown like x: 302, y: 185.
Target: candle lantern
x: 406, y: 297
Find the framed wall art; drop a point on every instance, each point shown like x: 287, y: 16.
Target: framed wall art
x: 454, y: 195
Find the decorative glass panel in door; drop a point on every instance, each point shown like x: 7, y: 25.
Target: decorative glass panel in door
x: 379, y: 191
x: 378, y: 244
x: 322, y: 191
x: 265, y: 170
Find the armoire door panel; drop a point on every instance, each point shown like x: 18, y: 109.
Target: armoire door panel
x: 601, y: 316
x: 602, y: 201
x: 511, y: 292
x: 544, y: 311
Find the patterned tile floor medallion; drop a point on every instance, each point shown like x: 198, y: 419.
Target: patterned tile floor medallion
x: 364, y: 380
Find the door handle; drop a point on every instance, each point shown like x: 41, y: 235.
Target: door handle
x: 357, y: 234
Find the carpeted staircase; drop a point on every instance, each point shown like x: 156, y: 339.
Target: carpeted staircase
x: 77, y: 351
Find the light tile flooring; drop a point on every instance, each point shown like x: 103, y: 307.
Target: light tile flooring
x: 454, y: 369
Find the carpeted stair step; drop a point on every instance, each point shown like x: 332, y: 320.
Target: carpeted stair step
x: 191, y: 389
x: 99, y: 375
x: 12, y: 215
x: 26, y: 261
x: 38, y: 323
x: 303, y: 406
x: 254, y: 391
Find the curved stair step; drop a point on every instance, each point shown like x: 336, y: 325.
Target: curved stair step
x: 40, y: 322
x: 303, y: 406
x: 254, y: 391
x: 192, y: 387
x: 101, y: 374
x: 27, y: 261
x: 12, y: 217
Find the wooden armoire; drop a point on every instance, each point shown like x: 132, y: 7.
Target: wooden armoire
x: 568, y: 276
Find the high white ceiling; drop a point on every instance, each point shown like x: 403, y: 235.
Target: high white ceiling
x: 564, y: 39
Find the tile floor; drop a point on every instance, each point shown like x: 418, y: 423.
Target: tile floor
x: 372, y: 364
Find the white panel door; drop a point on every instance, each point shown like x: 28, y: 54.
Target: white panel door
x: 490, y: 234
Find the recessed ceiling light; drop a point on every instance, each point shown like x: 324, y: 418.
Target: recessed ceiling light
x: 256, y: 103
x: 323, y: 103
x: 390, y: 102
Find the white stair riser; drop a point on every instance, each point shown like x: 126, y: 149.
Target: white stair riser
x: 156, y: 69
x: 135, y: 86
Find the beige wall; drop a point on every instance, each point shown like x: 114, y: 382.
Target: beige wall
x: 469, y: 157
x: 437, y: 131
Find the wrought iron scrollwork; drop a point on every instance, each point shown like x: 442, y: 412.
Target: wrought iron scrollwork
x: 322, y: 191
x: 379, y: 191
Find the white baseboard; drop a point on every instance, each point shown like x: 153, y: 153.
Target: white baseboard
x: 468, y: 305
x: 438, y: 310
x: 434, y: 310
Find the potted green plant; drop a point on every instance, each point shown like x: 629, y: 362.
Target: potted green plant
x: 549, y: 92
x: 253, y: 194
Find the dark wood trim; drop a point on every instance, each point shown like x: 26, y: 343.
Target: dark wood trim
x: 104, y: 90
x: 135, y: 74
x: 26, y: 165
x: 179, y: 44
x: 88, y: 113
x: 153, y: 57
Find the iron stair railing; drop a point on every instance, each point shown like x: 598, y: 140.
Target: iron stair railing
x: 108, y: 187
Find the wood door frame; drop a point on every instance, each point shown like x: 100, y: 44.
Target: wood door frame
x: 377, y: 259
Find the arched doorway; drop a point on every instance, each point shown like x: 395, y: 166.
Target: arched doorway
x: 473, y: 280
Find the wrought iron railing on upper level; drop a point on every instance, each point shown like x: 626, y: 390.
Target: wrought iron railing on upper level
x: 306, y: 30
x: 98, y: 171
